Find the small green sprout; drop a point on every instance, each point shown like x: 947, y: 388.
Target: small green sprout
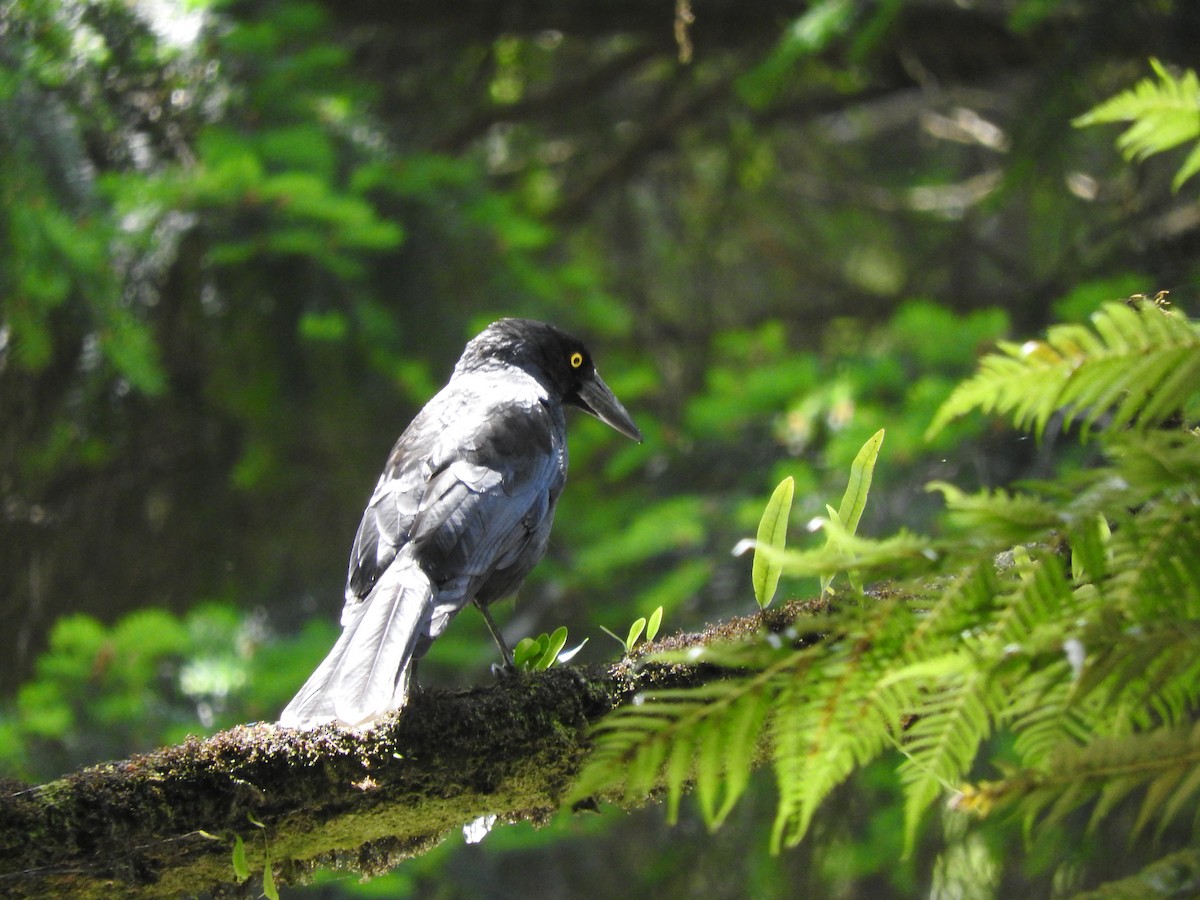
x: 241, y: 868
x: 650, y: 626
x: 769, y: 545
x: 540, y: 653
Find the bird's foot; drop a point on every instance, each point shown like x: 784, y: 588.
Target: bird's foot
x: 504, y: 670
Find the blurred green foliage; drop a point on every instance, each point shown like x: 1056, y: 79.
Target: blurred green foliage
x: 233, y: 264
x: 1052, y: 626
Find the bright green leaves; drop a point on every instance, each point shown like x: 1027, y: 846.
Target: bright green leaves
x: 821, y: 23
x: 1164, y: 114
x: 1136, y: 366
x: 1084, y: 661
x: 843, y: 522
x: 540, y: 653
x: 105, y: 690
x: 241, y: 864
x: 770, y: 560
x: 653, y: 623
x: 708, y: 736
x: 854, y: 501
x: 640, y: 624
x: 772, y: 538
x: 323, y: 327
x: 282, y: 177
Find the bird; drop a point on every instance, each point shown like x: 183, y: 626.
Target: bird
x: 460, y: 515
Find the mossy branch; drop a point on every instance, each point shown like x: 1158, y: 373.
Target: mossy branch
x: 166, y: 823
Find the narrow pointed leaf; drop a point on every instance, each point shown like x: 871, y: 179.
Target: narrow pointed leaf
x: 635, y: 632
x: 653, y: 623
x: 269, y: 890
x: 854, y: 501
x: 241, y: 869
x: 772, y: 534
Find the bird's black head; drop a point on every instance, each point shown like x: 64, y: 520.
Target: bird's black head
x: 559, y: 361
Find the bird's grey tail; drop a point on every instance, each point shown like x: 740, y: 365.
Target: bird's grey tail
x: 366, y: 674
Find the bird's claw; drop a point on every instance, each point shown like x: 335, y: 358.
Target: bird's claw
x: 505, y: 669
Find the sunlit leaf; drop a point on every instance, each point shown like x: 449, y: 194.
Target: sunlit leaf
x: 554, y: 643
x: 635, y: 632
x: 653, y: 623
x: 772, y: 534
x: 854, y: 501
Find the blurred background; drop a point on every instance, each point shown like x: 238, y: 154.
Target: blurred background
x: 241, y: 243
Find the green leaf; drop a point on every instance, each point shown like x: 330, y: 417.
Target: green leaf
x: 844, y: 520
x: 635, y: 632
x: 854, y: 501
x: 653, y: 623
x: 554, y: 644
x: 269, y: 889
x: 1164, y: 114
x: 835, y: 525
x: 241, y: 869
x: 678, y: 767
x: 322, y: 326
x: 1134, y: 366
x: 1190, y: 167
x: 772, y: 535
x: 526, y: 652
x: 538, y: 654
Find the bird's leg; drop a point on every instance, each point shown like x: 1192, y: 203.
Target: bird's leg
x: 509, y: 665
x: 413, y: 686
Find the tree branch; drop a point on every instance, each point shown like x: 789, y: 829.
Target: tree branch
x: 167, y: 822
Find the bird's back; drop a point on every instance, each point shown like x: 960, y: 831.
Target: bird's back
x: 469, y: 491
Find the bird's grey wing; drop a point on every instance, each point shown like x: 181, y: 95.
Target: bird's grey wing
x: 383, y: 530
x: 387, y: 520
x: 485, y: 516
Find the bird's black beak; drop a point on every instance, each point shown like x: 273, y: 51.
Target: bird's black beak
x: 595, y: 397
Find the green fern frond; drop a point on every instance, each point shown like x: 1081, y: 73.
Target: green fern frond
x: 957, y: 605
x: 998, y: 517
x: 1136, y: 366
x: 1167, y: 538
x: 1077, y: 641
x: 1164, y: 764
x: 1165, y: 113
x: 1143, y: 675
x: 1032, y: 613
x: 1046, y: 716
x: 1175, y: 875
x: 824, y: 729
x: 955, y: 716
x: 707, y: 735
x: 1156, y: 463
x: 852, y: 552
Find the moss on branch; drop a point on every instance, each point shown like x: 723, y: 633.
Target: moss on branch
x: 165, y: 823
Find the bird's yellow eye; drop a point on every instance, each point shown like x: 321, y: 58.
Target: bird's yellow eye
x: 576, y: 360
